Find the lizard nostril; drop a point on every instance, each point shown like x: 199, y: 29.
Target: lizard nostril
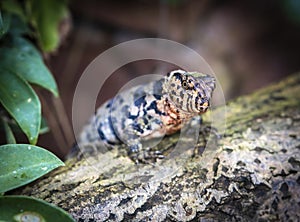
x: 203, y: 104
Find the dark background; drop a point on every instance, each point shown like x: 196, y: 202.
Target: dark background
x: 248, y: 44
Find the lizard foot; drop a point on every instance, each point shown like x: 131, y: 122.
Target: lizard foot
x: 144, y: 155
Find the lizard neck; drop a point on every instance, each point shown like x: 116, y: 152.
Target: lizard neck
x: 174, y: 112
x: 172, y: 118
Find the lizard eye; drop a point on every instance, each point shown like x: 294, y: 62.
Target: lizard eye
x: 185, y: 84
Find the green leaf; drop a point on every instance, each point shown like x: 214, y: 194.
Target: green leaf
x: 46, y: 16
x: 23, y: 163
x: 10, y: 138
x: 21, y: 57
x: 12, y: 208
x: 4, y: 23
x: 17, y: 130
x: 18, y: 27
x: 21, y: 102
x: 13, y: 7
x: 44, y: 126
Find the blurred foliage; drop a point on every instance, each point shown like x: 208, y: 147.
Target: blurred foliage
x: 292, y: 10
x: 43, y: 15
x: 21, y: 66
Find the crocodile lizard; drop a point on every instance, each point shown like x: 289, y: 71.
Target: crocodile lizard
x: 149, y: 111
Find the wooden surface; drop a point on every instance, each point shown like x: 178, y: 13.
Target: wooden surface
x: 250, y: 174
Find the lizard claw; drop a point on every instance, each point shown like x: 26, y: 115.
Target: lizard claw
x: 146, y: 155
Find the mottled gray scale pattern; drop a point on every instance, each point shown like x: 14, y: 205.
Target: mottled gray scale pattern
x: 150, y: 111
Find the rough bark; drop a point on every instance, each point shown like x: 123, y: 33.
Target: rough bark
x: 250, y: 174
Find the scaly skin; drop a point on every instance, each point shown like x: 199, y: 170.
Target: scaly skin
x: 150, y: 111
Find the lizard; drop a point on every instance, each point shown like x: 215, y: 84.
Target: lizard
x: 148, y: 111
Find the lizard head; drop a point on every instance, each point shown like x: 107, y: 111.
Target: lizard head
x: 189, y: 91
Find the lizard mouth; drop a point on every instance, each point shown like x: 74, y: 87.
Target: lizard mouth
x: 203, y: 106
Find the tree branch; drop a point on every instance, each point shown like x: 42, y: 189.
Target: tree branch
x: 250, y: 174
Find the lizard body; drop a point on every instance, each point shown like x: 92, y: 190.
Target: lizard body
x: 149, y: 111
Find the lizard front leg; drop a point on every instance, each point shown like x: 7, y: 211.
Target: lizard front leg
x: 141, y: 129
x: 140, y: 154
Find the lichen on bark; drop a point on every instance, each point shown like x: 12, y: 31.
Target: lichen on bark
x: 250, y: 174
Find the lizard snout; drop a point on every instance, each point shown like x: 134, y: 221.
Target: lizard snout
x: 203, y: 105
